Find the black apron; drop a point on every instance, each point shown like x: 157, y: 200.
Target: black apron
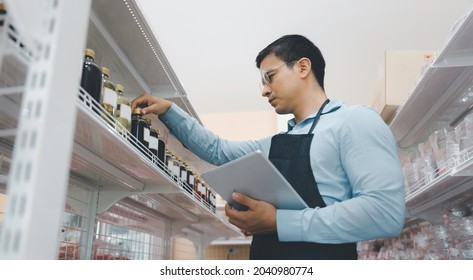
x: 290, y: 154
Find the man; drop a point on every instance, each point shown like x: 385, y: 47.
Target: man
x: 341, y: 159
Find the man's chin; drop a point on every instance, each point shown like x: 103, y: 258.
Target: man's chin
x: 280, y: 111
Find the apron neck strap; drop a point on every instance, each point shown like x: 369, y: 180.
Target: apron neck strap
x: 317, y: 117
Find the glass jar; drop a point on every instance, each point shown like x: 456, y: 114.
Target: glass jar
x: 109, y: 93
x: 3, y: 12
x: 123, y: 111
x: 167, y: 162
x: 173, y: 166
x: 153, y: 141
x: 161, y: 150
x: 91, y: 79
x: 190, y: 177
x: 140, y: 130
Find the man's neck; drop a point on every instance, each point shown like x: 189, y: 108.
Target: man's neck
x: 311, y: 106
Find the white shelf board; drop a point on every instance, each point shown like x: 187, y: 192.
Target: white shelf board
x: 458, y: 51
x: 430, y: 105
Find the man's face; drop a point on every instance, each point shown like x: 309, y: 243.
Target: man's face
x: 279, y: 84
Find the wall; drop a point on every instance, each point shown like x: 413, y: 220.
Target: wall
x: 238, y: 126
x: 241, y: 125
x: 183, y: 249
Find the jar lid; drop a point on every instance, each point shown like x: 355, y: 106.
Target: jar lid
x: 137, y: 111
x: 119, y: 87
x: 106, y: 71
x: 148, y: 121
x: 90, y: 52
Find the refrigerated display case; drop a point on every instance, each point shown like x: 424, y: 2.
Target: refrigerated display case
x: 76, y: 188
x: 442, y: 98
x: 433, y: 132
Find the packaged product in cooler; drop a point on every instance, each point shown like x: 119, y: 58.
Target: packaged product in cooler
x: 452, y: 150
x: 438, y: 143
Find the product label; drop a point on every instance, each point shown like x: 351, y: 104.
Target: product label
x: 146, y: 134
x: 153, y: 143
x: 125, y: 112
x: 175, y: 167
x: 191, y: 180
x: 110, y: 97
x: 183, y: 174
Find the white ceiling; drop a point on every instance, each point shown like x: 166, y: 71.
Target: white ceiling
x: 212, y: 44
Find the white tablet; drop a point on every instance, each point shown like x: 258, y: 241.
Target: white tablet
x: 255, y: 176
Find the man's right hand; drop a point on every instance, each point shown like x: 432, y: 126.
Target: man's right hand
x: 151, y: 104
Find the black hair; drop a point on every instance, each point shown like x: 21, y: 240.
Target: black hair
x: 294, y: 47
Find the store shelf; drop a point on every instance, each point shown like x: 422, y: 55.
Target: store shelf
x: 104, y: 156
x: 427, y: 201
x: 110, y: 168
x: 459, y: 46
x: 200, y: 220
x: 436, y: 100
x: 124, y: 42
x: 442, y: 97
x: 107, y: 159
x: 14, y: 58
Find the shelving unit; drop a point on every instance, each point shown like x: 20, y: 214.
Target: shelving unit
x: 110, y: 171
x: 442, y: 98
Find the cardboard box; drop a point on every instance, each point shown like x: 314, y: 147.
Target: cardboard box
x: 397, y: 78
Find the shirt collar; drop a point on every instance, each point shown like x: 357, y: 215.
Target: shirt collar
x: 332, y: 104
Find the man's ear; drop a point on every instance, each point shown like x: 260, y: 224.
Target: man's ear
x: 305, y: 66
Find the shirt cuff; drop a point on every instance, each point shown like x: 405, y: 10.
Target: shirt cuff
x: 288, y: 225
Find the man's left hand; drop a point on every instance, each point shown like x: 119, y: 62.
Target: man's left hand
x: 258, y: 219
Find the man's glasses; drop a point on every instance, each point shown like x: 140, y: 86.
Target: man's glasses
x: 267, y: 79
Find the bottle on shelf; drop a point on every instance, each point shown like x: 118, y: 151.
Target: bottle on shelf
x: 182, y: 173
x: 198, y: 188
x: 168, y: 162
x: 205, y: 194
x: 140, y: 130
x: 109, y: 94
x: 3, y: 12
x: 185, y: 177
x: 213, y: 202
x: 123, y: 111
x: 190, y: 178
x: 203, y: 191
x: 91, y: 80
x: 173, y: 166
x: 153, y: 140
x: 161, y: 150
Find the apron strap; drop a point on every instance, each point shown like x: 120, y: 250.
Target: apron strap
x: 317, y: 117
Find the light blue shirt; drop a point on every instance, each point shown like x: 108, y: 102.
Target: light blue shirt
x: 355, y: 164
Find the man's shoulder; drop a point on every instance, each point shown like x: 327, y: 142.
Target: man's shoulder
x: 348, y: 110
x: 360, y: 115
